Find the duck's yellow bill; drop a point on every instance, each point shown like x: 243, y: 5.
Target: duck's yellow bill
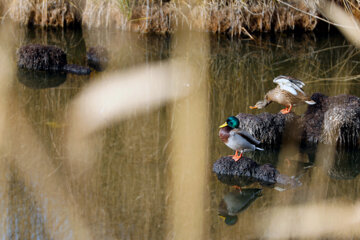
x: 222, y: 217
x: 224, y: 125
x: 253, y: 107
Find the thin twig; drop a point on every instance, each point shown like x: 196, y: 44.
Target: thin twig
x: 312, y: 15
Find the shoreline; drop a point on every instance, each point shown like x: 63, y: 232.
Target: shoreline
x: 230, y: 18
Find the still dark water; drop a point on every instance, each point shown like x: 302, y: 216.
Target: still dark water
x: 126, y: 197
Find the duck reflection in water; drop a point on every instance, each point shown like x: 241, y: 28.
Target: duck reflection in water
x: 235, y: 202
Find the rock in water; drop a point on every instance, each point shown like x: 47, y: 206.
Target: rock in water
x: 41, y: 57
x: 40, y: 79
x: 76, y: 69
x: 246, y: 171
x: 47, y: 58
x: 266, y: 127
x: 332, y: 120
x: 97, y: 58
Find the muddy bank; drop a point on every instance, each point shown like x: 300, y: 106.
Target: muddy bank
x: 233, y: 18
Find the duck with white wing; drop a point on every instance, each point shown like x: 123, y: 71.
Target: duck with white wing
x: 289, y: 93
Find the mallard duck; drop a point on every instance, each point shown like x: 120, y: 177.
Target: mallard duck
x: 289, y: 93
x: 236, y: 139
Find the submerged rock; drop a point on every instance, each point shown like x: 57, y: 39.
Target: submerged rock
x: 46, y: 58
x: 40, y: 79
x: 332, y: 120
x: 341, y: 164
x: 76, y: 69
x: 246, y: 171
x: 97, y: 58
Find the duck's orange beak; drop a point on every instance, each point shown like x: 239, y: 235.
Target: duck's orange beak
x: 224, y: 125
x: 253, y: 107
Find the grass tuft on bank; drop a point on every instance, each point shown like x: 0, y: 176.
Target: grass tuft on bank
x: 231, y: 17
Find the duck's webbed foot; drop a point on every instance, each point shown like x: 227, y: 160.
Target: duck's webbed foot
x: 286, y: 110
x: 236, y: 157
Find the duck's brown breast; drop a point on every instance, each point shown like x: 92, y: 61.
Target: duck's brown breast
x: 224, y: 133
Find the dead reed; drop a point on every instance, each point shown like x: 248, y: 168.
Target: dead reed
x: 229, y: 17
x: 46, y: 13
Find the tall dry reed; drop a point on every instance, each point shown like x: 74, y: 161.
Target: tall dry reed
x: 230, y: 17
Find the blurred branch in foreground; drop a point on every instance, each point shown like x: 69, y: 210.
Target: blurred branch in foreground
x: 315, y: 220
x: 120, y: 95
x: 346, y: 22
x: 117, y: 96
x: 21, y: 148
x: 187, y: 188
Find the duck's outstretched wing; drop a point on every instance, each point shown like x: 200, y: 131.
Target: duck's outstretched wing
x: 289, y: 84
x: 247, y: 136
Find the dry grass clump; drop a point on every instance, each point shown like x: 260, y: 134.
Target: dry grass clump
x: 163, y: 18
x: 226, y: 16
x: 238, y: 18
x: 102, y: 13
x: 232, y: 17
x: 44, y: 12
x: 142, y: 18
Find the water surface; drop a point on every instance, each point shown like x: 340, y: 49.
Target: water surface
x: 126, y: 196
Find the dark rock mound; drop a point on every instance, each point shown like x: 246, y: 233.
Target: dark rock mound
x: 97, y: 58
x: 266, y: 127
x: 227, y: 166
x: 332, y: 120
x: 41, y: 57
x: 47, y: 58
x: 313, y: 119
x: 246, y: 171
